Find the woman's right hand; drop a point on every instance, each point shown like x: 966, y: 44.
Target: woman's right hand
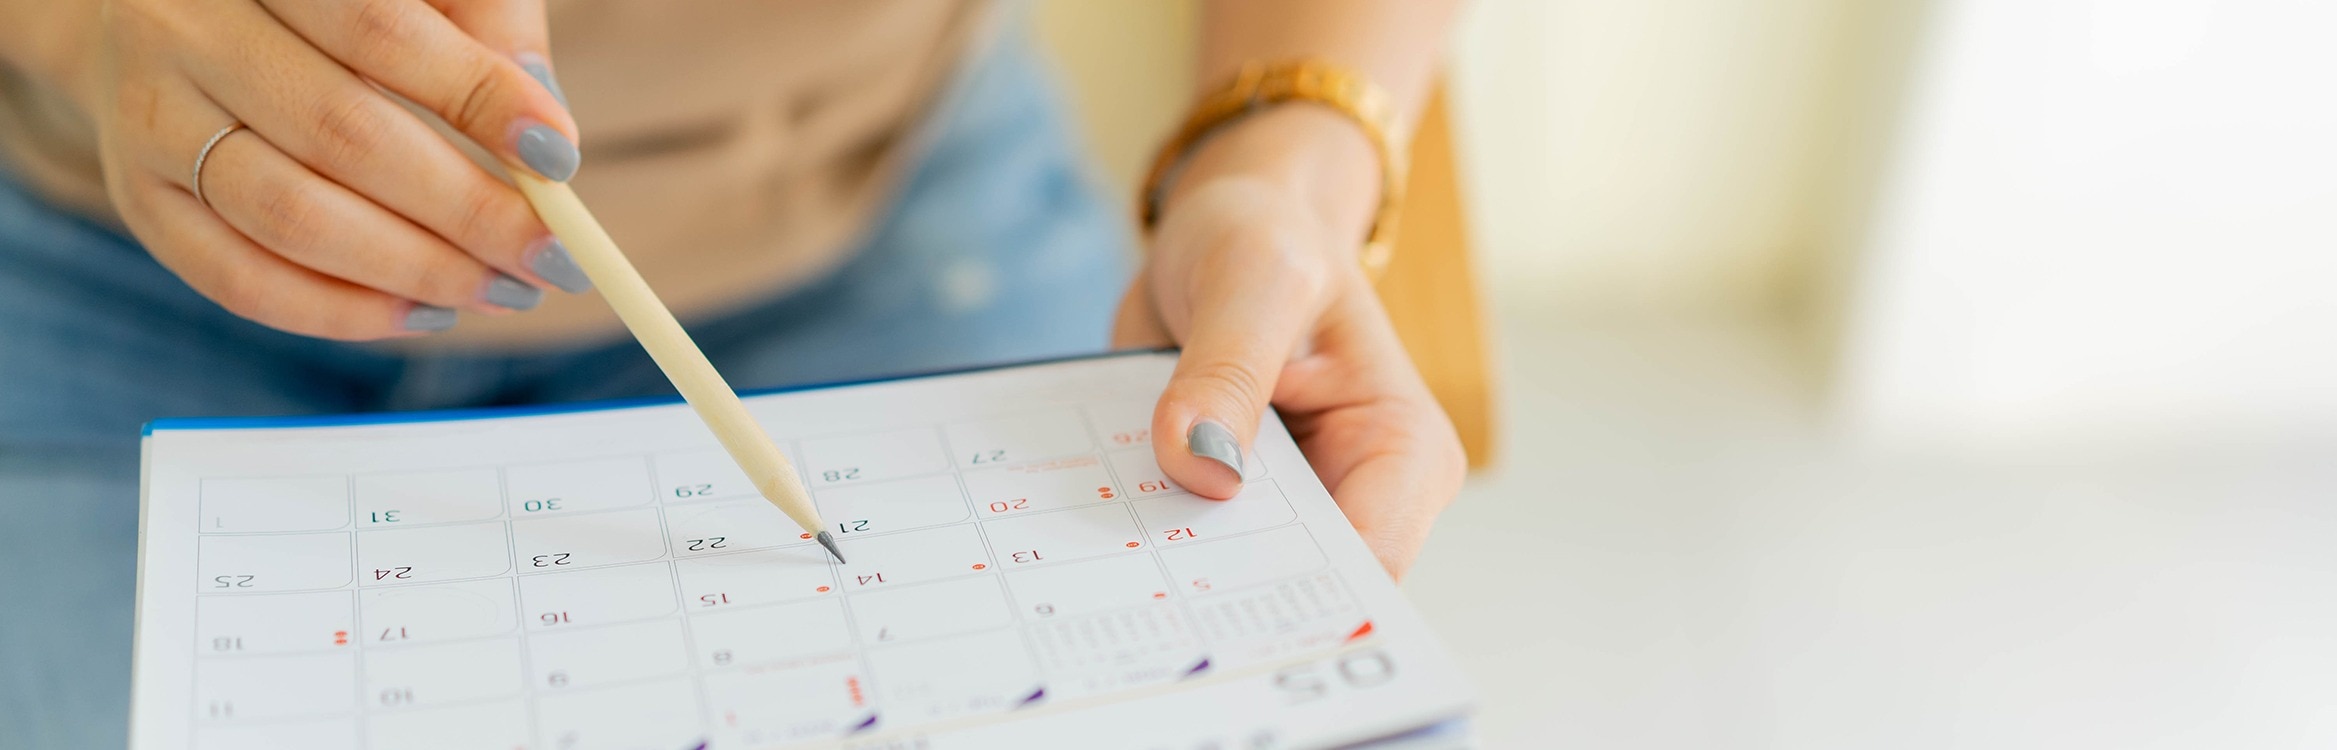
x: 336, y: 213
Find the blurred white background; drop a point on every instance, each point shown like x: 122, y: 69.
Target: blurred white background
x: 1881, y: 373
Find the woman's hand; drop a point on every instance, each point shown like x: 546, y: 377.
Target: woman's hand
x: 1254, y: 269
x: 337, y: 212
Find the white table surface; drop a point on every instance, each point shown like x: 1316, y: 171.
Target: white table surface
x: 1676, y: 554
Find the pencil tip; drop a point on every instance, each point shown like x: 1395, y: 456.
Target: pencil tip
x: 830, y: 543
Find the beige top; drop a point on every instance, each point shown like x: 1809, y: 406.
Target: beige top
x: 735, y: 149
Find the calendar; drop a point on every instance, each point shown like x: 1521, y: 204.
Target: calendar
x: 1021, y: 574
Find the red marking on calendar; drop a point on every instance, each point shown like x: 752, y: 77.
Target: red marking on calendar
x: 1104, y: 492
x: 1132, y: 545
x: 1360, y: 632
x: 806, y: 536
x: 852, y: 685
x: 822, y: 589
x: 980, y: 566
x: 340, y: 638
x: 1160, y: 595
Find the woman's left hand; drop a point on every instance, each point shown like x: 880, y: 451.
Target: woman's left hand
x: 1254, y: 270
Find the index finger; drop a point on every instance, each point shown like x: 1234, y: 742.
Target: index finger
x: 515, y: 28
x: 411, y: 48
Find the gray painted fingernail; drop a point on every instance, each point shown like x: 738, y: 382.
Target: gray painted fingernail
x: 543, y: 74
x: 512, y: 293
x: 429, y: 318
x: 1212, y: 441
x: 548, y: 153
x: 553, y: 262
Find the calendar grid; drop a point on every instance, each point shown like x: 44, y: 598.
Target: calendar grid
x: 1072, y: 552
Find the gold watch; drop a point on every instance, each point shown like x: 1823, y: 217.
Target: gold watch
x: 1259, y: 86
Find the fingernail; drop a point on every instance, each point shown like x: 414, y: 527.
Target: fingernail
x: 429, y: 318
x: 512, y: 293
x: 548, y: 153
x: 535, y: 66
x: 1212, y: 441
x: 552, y: 261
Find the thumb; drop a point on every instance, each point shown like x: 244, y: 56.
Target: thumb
x: 1244, y: 328
x: 516, y: 28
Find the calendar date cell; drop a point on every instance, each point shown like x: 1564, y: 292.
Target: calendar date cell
x: 274, y: 687
x: 1064, y: 535
x: 549, y: 545
x: 911, y: 557
x: 1122, y: 424
x: 892, y: 506
x: 273, y: 562
x: 1184, y: 519
x: 850, y: 459
x: 752, y: 578
x: 1140, y: 475
x: 1116, y: 650
x: 729, y: 526
x: 577, y: 486
x: 387, y: 557
x: 397, y: 679
x: 1208, y: 567
x: 947, y: 677
x: 318, y: 503
x: 1018, y: 438
x: 271, y: 623
x: 762, y: 636
x: 406, y: 499
x: 660, y: 714
x: 701, y: 475
x: 759, y: 708
x: 490, y: 725
x: 1086, y: 587
x: 436, y: 612
x: 1045, y: 485
x: 594, y: 597
x: 930, y: 610
x: 607, y: 655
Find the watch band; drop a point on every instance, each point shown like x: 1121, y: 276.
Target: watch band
x: 1258, y: 86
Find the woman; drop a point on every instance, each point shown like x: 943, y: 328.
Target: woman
x: 287, y: 206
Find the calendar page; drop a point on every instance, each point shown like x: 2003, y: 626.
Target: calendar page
x: 1021, y: 574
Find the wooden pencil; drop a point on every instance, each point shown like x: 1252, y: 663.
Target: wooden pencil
x: 659, y: 333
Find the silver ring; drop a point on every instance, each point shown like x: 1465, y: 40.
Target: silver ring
x: 205, y: 155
